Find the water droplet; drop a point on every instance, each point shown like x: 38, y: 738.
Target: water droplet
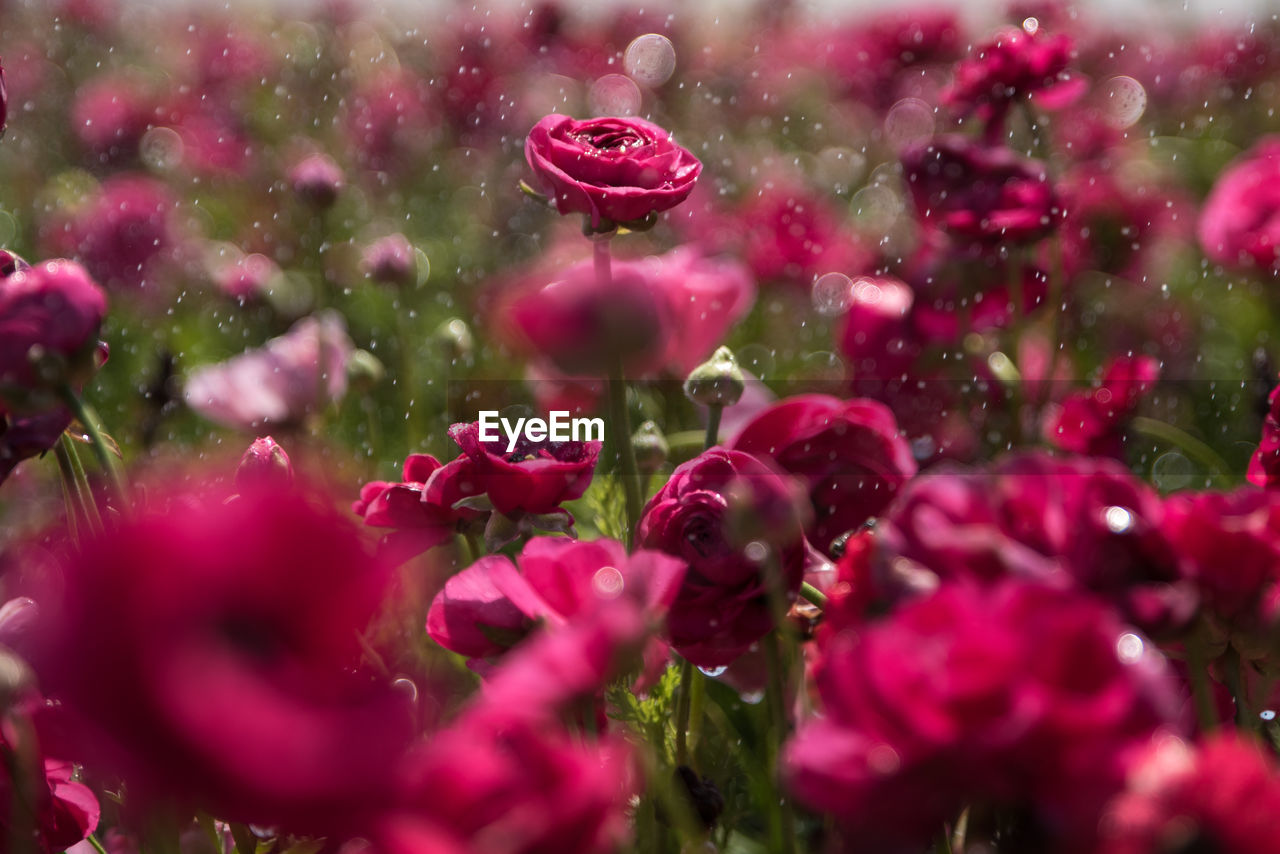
x: 1125, y: 102
x: 1031, y: 25
x: 832, y: 294
x: 1130, y: 648
x: 614, y: 95
x: 713, y: 672
x: 1267, y: 714
x: 607, y: 582
x: 650, y: 59
x: 1172, y: 471
x: 1119, y: 520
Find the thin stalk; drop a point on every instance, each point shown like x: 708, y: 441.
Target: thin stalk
x: 618, y: 405
x: 714, y: 411
x: 1181, y: 439
x: 683, y: 708
x: 1198, y: 673
x: 784, y: 818
x: 813, y: 595
x: 1234, y: 667
x: 86, y: 415
x: 97, y: 846
x: 79, y: 483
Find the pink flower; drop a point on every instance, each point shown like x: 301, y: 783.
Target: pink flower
x: 849, y: 453
x: 1264, y: 465
x: 1240, y: 222
x: 732, y: 519
x: 1018, y: 63
x: 110, y: 114
x: 57, y: 811
x: 23, y: 436
x: 1010, y: 697
x: 388, y: 121
x: 976, y: 191
x: 1222, y: 796
x: 391, y: 260
x: 317, y: 179
x: 233, y: 684
x: 422, y: 508
x: 616, y: 169
x: 286, y: 379
x: 494, y: 604
x: 1228, y: 544
x: 246, y: 276
x: 50, y: 315
x: 1076, y: 522
x: 536, y: 478
x: 264, y: 465
x: 1092, y: 422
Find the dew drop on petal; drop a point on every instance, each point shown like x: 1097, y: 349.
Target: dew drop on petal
x: 1119, y: 520
x: 1031, y: 25
x: 1130, y: 648
x: 650, y: 59
x: 713, y: 672
x: 607, y: 582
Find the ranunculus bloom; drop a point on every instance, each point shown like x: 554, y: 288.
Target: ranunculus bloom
x: 1264, y: 465
x: 732, y: 519
x: 664, y: 312
x: 849, y: 453
x: 287, y: 378
x: 1092, y: 422
x: 317, y: 179
x: 388, y: 121
x: 976, y: 191
x: 535, y: 478
x: 617, y: 169
x: 63, y: 811
x: 1064, y: 522
x: 1014, y: 696
x: 1240, y: 221
x: 110, y: 114
x: 494, y: 603
x: 420, y: 508
x: 51, y: 311
x: 23, y: 436
x: 1017, y: 63
x: 391, y: 260
x: 244, y: 277
x: 1222, y: 796
x: 1229, y: 545
x: 209, y: 654
x: 264, y: 464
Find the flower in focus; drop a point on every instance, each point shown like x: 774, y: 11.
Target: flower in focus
x: 535, y: 478
x: 281, y: 382
x: 422, y: 509
x: 209, y: 653
x: 1092, y: 422
x: 616, y: 169
x: 1019, y: 62
x: 1013, y: 697
x: 849, y: 453
x: 981, y: 192
x: 52, y: 808
x: 1240, y: 221
x: 1222, y: 796
x: 50, y: 315
x: 264, y: 465
x: 733, y: 519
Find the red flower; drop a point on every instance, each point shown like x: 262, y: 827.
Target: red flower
x: 1264, y: 465
x: 1222, y: 797
x: 421, y: 508
x: 617, y: 169
x: 1240, y: 222
x: 849, y: 453
x: 732, y: 519
x: 49, y: 320
x: 536, y: 478
x: 1017, y: 63
x: 1092, y: 422
x: 981, y: 192
x: 58, y: 811
x: 1009, y: 697
x: 208, y: 654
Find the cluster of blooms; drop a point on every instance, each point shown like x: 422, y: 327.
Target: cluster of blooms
x: 861, y: 563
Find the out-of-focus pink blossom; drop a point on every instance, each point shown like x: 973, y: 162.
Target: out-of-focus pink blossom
x: 317, y: 179
x: 1240, y: 222
x: 280, y: 383
x: 1092, y: 422
x: 1264, y: 465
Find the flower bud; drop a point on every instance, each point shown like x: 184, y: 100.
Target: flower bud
x: 391, y: 260
x: 650, y: 448
x: 717, y: 381
x: 317, y: 180
x: 264, y: 464
x: 364, y: 370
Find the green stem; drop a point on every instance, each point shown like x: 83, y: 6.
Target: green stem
x: 97, y: 846
x: 1234, y: 667
x: 683, y: 706
x: 76, y: 485
x: 783, y: 816
x: 86, y: 415
x: 1198, y: 673
x: 618, y: 406
x: 714, y: 411
x: 813, y: 595
x: 1181, y: 439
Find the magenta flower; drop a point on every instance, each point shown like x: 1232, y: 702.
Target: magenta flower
x: 849, y: 453
x: 422, y: 508
x: 234, y: 684
x: 535, y: 478
x: 616, y: 169
x: 1011, y: 697
x: 732, y: 519
x: 57, y: 810
x: 1264, y: 465
x: 317, y: 179
x: 1092, y: 422
x: 1240, y: 222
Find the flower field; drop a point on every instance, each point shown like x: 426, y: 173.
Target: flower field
x: 559, y: 429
